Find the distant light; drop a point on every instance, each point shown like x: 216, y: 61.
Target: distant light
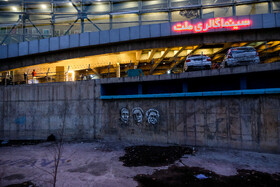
x: 44, y: 6
x: 163, y: 62
x: 14, y: 8
x: 168, y: 72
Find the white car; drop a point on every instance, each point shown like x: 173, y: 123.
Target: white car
x: 238, y: 56
x: 197, y: 62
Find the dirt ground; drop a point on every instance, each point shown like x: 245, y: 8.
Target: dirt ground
x: 106, y: 164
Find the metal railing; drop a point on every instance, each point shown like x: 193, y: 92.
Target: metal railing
x: 45, y: 77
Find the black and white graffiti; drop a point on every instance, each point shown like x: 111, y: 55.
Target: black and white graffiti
x: 152, y: 116
x: 124, y: 115
x: 138, y: 115
x: 189, y: 14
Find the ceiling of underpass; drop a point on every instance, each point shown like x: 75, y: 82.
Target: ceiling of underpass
x: 152, y: 61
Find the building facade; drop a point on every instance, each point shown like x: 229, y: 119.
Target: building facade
x: 26, y: 20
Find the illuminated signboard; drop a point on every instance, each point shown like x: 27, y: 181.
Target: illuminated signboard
x: 212, y: 24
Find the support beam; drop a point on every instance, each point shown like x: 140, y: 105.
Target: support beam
x: 138, y: 56
x: 174, y: 64
x: 158, y: 61
x: 177, y: 54
x: 95, y: 71
x: 196, y: 47
x: 224, y: 49
x: 271, y: 49
x: 153, y: 51
x: 272, y: 59
x: 269, y: 45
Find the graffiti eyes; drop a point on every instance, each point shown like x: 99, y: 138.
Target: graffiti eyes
x: 152, y: 116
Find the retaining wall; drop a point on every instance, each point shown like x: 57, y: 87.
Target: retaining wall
x: 250, y: 122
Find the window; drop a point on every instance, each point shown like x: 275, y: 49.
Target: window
x: 152, y: 18
x: 217, y: 12
x: 125, y: 20
x: 46, y: 32
x: 259, y: 8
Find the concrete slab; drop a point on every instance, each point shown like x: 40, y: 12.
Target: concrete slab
x: 13, y: 50
x: 124, y: 34
x: 23, y: 46
x: 145, y: 31
x: 165, y: 29
x: 3, y: 51
x: 155, y: 30
x: 268, y: 20
x: 33, y: 47
x: 44, y: 45
x: 94, y: 38
x: 115, y: 35
x: 64, y: 42
x: 84, y: 39
x: 134, y: 33
x: 74, y: 40
x: 104, y: 37
x: 54, y: 43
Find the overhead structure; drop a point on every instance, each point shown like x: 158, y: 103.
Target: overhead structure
x: 26, y: 20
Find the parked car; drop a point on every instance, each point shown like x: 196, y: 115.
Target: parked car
x: 197, y: 62
x: 238, y: 56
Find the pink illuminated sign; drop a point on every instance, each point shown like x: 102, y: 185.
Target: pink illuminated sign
x: 212, y: 24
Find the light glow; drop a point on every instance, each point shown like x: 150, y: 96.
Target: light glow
x: 212, y: 24
x: 44, y: 6
x: 70, y: 76
x: 14, y: 8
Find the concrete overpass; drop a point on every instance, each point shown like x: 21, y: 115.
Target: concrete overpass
x: 264, y: 28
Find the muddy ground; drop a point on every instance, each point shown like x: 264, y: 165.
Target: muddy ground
x: 122, y: 164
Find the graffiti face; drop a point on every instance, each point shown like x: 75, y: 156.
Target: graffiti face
x: 124, y: 115
x: 137, y: 115
x: 153, y: 116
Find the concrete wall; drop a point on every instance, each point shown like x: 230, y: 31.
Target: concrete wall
x: 243, y: 122
x: 36, y: 111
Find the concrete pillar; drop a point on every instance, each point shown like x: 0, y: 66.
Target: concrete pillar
x: 118, y: 70
x: 60, y: 73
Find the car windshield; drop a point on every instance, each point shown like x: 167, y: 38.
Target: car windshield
x: 242, y: 50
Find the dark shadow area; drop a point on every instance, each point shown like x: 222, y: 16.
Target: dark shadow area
x: 19, y: 142
x: 153, y: 156
x: 193, y: 176
x: 24, y: 184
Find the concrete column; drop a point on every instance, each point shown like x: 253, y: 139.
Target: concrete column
x: 118, y: 70
x: 60, y: 73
